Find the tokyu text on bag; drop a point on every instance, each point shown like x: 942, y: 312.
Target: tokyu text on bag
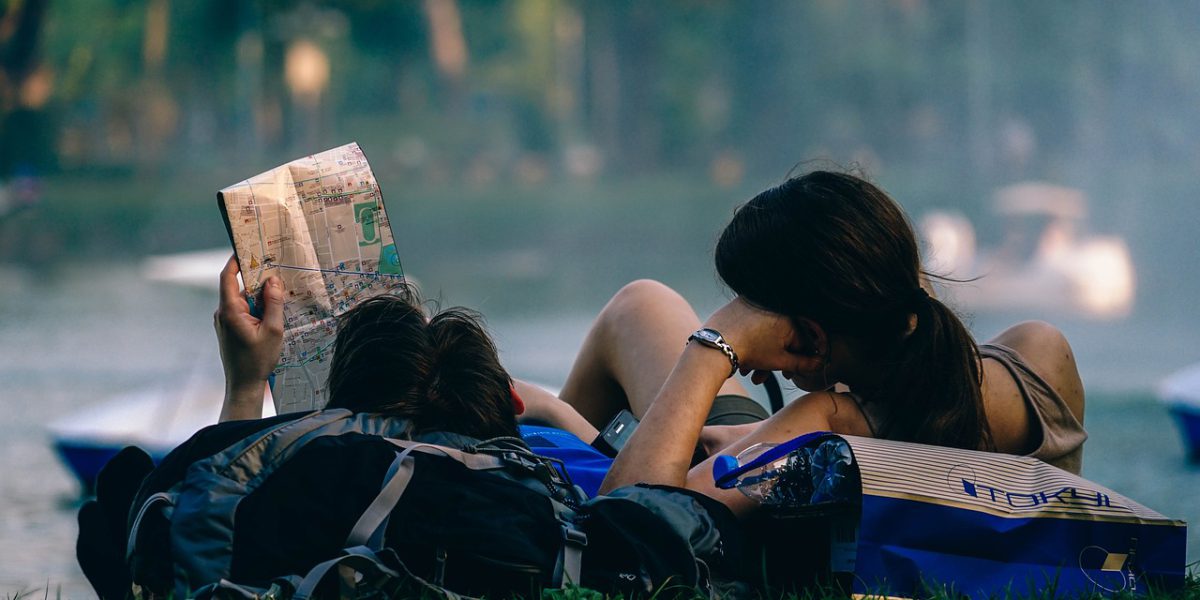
x: 903, y: 519
x: 306, y: 507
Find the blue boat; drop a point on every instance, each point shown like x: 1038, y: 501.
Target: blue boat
x: 156, y: 419
x: 1181, y: 393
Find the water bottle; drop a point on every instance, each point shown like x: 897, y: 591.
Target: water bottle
x: 802, y: 477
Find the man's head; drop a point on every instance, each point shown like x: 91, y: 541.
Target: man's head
x: 442, y: 373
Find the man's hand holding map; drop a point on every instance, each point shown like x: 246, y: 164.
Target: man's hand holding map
x: 319, y: 224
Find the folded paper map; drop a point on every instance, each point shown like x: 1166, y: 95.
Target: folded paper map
x: 319, y: 223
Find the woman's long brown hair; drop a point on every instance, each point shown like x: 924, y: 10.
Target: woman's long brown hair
x: 836, y: 249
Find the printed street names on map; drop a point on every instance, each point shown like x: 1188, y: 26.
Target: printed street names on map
x: 319, y: 223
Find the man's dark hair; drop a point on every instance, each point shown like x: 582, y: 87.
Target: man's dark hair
x: 442, y: 373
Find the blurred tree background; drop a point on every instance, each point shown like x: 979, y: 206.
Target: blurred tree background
x: 537, y: 154
x: 120, y: 118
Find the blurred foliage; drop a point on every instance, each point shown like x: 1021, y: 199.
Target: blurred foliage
x: 940, y: 100
x: 648, y: 86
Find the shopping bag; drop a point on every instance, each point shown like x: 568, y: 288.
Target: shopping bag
x: 912, y: 520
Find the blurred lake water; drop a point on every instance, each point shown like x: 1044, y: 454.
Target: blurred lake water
x: 76, y: 335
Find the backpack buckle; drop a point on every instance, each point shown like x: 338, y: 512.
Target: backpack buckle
x: 520, y: 459
x: 575, y: 536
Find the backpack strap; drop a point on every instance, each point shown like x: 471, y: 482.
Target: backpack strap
x: 154, y: 500
x: 228, y: 590
x: 367, y: 562
x: 255, y: 460
x: 568, y: 569
x: 475, y: 461
x: 368, y: 530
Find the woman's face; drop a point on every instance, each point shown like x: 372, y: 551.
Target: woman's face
x: 813, y: 344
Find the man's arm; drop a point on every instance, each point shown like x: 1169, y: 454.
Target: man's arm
x: 542, y: 406
x: 249, y: 345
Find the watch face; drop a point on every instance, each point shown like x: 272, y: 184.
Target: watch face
x: 708, y: 335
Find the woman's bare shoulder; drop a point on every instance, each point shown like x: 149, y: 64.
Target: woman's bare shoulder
x: 837, y: 412
x: 1042, y: 345
x: 1046, y: 350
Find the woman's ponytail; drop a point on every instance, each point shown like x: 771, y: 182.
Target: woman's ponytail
x: 932, y: 393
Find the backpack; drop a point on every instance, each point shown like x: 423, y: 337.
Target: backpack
x: 309, y: 506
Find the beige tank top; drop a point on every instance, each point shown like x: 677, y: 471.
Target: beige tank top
x: 1062, y: 434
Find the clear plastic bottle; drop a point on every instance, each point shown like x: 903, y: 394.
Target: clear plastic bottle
x: 804, y: 476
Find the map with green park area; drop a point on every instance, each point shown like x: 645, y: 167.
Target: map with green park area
x: 319, y: 223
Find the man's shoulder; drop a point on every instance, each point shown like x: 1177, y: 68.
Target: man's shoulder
x: 206, y: 443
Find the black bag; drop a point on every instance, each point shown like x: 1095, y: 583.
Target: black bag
x: 280, y: 511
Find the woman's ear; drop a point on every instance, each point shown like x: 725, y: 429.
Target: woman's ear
x: 808, y: 351
x: 809, y: 339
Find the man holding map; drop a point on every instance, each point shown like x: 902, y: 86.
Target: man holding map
x: 318, y: 224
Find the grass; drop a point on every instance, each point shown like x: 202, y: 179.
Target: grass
x: 33, y: 593
x: 1189, y: 591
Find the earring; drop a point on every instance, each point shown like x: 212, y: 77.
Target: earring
x: 825, y: 376
x: 825, y: 360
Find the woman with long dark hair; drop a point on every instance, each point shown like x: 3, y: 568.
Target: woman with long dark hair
x: 829, y: 293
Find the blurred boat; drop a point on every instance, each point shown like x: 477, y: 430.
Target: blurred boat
x: 1181, y: 393
x: 1046, y: 261
x: 198, y: 269
x: 155, y: 419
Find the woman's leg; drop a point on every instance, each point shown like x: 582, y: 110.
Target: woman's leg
x: 632, y: 347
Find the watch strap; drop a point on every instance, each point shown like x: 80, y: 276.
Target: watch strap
x: 713, y: 339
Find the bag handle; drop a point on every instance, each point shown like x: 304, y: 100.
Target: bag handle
x: 159, y: 498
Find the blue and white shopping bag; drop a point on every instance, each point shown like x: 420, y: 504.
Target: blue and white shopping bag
x: 973, y: 523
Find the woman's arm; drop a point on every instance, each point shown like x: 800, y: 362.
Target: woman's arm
x: 249, y: 345
x: 661, y: 448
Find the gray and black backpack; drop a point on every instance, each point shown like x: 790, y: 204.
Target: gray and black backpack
x: 336, y: 504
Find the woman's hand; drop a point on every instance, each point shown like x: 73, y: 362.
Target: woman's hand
x: 764, y: 341
x: 249, y: 345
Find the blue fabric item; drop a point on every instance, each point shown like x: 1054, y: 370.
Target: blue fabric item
x: 905, y: 545
x: 586, y: 466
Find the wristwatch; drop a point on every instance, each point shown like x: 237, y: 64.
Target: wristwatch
x: 712, y: 338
